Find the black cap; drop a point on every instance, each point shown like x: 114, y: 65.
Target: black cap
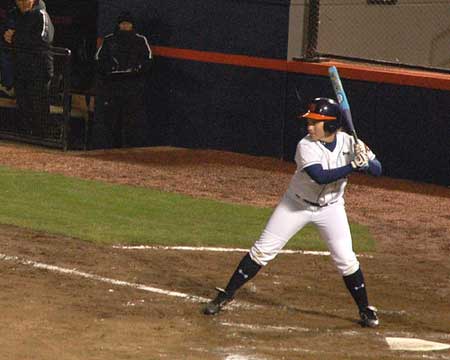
x: 125, y: 16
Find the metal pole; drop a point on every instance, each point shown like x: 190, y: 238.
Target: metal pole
x: 67, y: 101
x: 313, y: 31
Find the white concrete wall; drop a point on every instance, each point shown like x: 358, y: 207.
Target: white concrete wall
x: 412, y: 31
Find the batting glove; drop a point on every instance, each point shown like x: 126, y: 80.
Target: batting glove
x: 361, y: 161
x: 360, y: 148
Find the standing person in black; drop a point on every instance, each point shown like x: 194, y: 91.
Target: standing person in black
x: 123, y: 59
x: 6, y: 59
x: 33, y: 64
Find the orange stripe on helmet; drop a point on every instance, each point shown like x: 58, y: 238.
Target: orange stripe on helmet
x: 316, y: 116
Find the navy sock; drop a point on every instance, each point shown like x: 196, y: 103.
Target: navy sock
x: 355, y: 284
x: 245, y: 271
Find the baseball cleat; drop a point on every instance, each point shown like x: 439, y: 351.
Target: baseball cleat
x: 215, y: 305
x: 369, y: 317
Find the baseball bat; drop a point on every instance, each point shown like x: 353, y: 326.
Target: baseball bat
x: 342, y: 99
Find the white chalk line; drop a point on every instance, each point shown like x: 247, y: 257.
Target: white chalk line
x: 290, y: 329
x: 265, y: 327
x: 221, y: 249
x: 246, y: 348
x: 151, y: 289
x: 57, y: 269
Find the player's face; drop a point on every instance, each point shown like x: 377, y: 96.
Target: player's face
x: 317, y: 132
x: 315, y: 129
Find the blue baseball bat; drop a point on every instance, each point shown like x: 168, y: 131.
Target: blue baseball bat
x: 342, y: 99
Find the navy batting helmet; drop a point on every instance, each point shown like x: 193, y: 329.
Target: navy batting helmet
x: 327, y: 110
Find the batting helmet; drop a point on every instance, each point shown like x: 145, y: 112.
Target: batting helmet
x: 327, y: 110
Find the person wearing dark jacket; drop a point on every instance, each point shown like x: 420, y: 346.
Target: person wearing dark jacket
x: 123, y: 59
x: 33, y: 65
x: 6, y: 58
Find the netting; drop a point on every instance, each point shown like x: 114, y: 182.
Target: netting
x: 404, y: 32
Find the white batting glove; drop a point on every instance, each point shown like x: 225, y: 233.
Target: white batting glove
x: 360, y: 148
x: 361, y: 161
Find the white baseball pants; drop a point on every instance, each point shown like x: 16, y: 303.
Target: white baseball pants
x: 291, y: 215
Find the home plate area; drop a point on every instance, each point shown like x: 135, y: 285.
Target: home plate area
x: 304, y: 337
x: 412, y: 344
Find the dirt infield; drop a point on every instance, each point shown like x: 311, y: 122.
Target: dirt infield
x: 296, y: 308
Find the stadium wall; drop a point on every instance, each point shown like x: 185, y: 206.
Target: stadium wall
x: 222, y: 80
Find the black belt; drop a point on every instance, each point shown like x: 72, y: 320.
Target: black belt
x: 315, y: 204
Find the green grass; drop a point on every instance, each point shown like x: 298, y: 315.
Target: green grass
x: 112, y: 214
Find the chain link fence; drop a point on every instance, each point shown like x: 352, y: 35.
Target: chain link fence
x: 412, y: 33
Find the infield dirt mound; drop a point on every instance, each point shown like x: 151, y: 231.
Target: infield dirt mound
x: 299, y: 307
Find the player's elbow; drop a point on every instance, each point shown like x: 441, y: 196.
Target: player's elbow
x: 375, y: 168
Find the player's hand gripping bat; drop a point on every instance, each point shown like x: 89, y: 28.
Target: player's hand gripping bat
x: 342, y: 100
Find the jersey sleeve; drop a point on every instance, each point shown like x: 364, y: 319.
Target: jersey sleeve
x: 306, y: 155
x: 321, y: 176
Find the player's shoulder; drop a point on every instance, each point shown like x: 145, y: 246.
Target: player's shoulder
x: 307, y: 144
x: 344, y: 138
x: 306, y: 141
x: 343, y: 135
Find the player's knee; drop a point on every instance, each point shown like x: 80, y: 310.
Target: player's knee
x: 267, y: 247
x: 348, y: 267
x: 260, y: 257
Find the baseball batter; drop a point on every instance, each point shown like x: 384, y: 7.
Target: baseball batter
x: 324, y: 157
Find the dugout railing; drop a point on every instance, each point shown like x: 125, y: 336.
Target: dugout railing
x: 55, y: 127
x: 406, y: 33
